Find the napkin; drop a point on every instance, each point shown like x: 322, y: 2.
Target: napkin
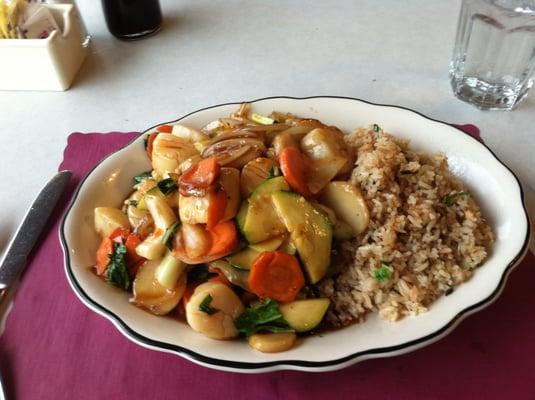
x: 54, y: 347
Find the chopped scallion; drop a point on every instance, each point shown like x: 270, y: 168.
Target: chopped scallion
x: 449, y: 200
x: 169, y: 235
x: 384, y: 273
x: 205, y: 306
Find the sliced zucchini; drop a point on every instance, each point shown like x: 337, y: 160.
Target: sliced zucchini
x: 310, y: 230
x: 270, y: 244
x: 236, y: 276
x: 240, y: 217
x: 244, y: 259
x: 288, y: 247
x: 261, y: 221
x: 304, y: 315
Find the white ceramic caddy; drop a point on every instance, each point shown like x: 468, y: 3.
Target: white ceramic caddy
x: 492, y: 184
x: 45, y: 64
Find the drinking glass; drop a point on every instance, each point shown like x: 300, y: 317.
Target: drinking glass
x: 494, y: 56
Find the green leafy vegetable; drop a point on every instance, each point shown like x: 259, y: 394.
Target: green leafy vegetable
x: 384, y: 273
x: 376, y: 128
x: 449, y: 290
x: 262, y: 317
x: 169, y: 235
x: 449, y: 200
x: 205, y: 306
x: 199, y: 273
x: 117, y: 273
x: 141, y: 177
x: 167, y: 186
x: 133, y: 203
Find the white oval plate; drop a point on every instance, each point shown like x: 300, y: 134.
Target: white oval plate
x: 494, y: 186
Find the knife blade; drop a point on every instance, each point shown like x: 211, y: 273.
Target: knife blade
x: 28, y: 232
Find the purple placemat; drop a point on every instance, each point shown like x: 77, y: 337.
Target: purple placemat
x: 54, y: 347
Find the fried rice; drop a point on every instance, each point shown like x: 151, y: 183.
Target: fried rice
x: 426, y: 233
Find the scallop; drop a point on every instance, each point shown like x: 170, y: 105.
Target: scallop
x: 225, y: 307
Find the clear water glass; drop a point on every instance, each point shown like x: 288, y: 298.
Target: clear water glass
x: 494, y: 56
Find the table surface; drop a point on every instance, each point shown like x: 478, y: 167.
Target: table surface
x: 209, y: 52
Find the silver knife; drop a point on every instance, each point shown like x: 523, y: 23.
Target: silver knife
x: 29, y: 230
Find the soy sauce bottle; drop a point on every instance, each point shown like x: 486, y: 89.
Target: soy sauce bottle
x: 132, y: 19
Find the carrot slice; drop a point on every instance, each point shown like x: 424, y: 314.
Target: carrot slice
x: 120, y: 232
x: 216, y: 208
x: 105, y: 250
x: 202, y: 174
x: 223, y: 238
x: 276, y: 275
x: 165, y: 128
x: 295, y: 169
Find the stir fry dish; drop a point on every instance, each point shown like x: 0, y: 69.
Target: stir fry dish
x: 245, y: 228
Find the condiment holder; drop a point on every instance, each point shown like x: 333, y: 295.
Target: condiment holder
x: 45, y: 64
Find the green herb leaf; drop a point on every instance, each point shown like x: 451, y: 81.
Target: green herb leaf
x: 167, y: 186
x: 133, y: 203
x: 274, y: 172
x: 141, y: 177
x: 199, y: 273
x: 449, y: 290
x: 205, y: 306
x: 262, y: 317
x: 376, y: 128
x: 169, y: 235
x: 384, y: 273
x: 117, y: 272
x: 146, y: 142
x: 449, y: 200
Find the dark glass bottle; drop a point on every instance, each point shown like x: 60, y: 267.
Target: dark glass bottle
x: 132, y: 19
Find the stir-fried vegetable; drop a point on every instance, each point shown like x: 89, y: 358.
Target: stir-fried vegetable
x: 276, y: 275
x: 175, y: 242
x: 262, y: 317
x: 296, y: 169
